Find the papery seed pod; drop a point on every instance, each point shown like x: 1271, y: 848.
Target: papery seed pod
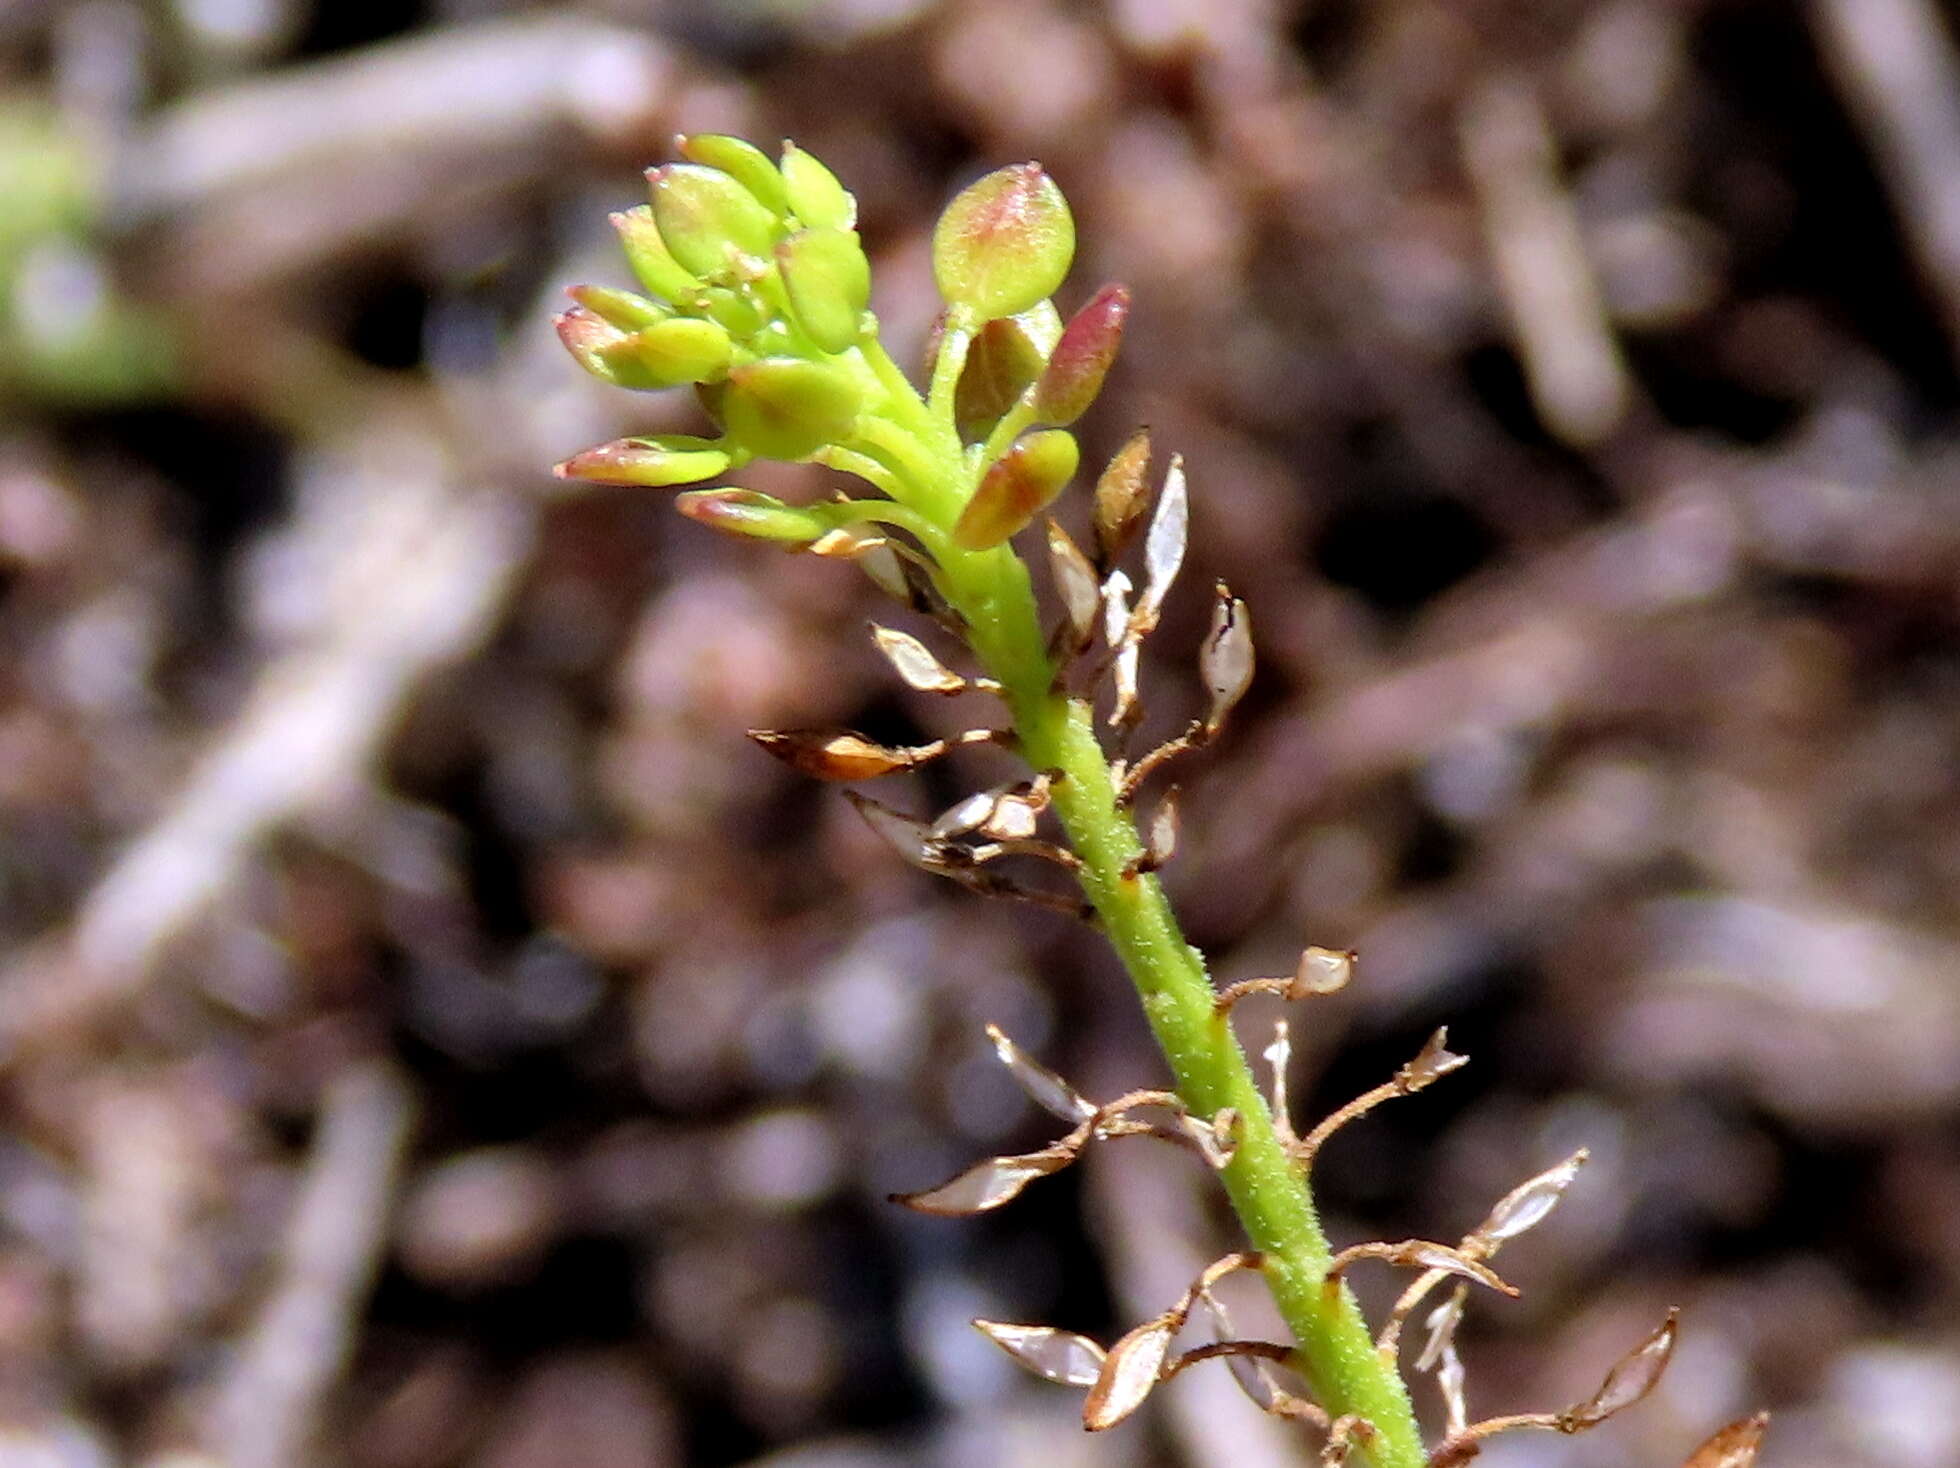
x: 910, y: 838
x: 1045, y: 1088
x: 706, y: 217
x: 754, y: 516
x: 1081, y: 359
x: 741, y: 160
x: 1441, y: 1325
x: 1160, y: 838
x: 1735, y: 1446
x: 1075, y: 584
x: 788, y: 408
x: 650, y: 463
x: 1431, y: 1064
x: 1015, y: 816
x: 1163, y: 545
x: 1422, y: 1254
x: 1116, y: 626
x: 1449, y: 1382
x: 646, y: 253
x: 829, y: 284
x: 914, y: 663
x: 1129, y: 1371
x: 842, y: 755
x: 1632, y: 1377
x: 1321, y: 971
x: 1016, y: 488
x: 671, y: 353
x: 1055, y: 1355
x: 965, y: 815
x: 1214, y: 1139
x: 622, y: 309
x: 999, y: 1180
x: 1526, y: 1205
x: 1122, y: 493
x: 1004, y: 243
x: 1000, y: 365
x: 1225, y: 660
x: 815, y: 196
x: 1279, y: 1058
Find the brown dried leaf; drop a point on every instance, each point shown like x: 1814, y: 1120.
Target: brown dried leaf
x: 1057, y: 1355
x: 1131, y: 1369
x: 913, y: 661
x: 1735, y: 1446
x: 1525, y: 1206
x: 1631, y: 1378
x: 1225, y: 660
x: 1045, y: 1088
x: 1075, y: 584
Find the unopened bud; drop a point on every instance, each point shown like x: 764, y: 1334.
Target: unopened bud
x: 703, y: 214
x: 788, y: 408
x: 1004, y: 243
x: 651, y: 463
x: 623, y: 309
x: 588, y: 336
x: 746, y: 512
x: 829, y: 284
x: 747, y: 164
x: 1122, y: 491
x: 816, y: 198
x: 672, y: 352
x: 1016, y: 488
x: 1000, y: 365
x: 1081, y: 359
x: 647, y: 255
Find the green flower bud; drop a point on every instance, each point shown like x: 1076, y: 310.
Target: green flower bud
x: 1004, y: 243
x: 653, y: 463
x: 1016, y: 488
x: 1000, y: 365
x: 619, y: 308
x: 1082, y: 357
x: 788, y: 408
x: 747, y: 164
x: 674, y: 352
x: 816, y: 198
x: 732, y: 309
x: 829, y: 284
x: 745, y: 512
x: 703, y: 214
x: 655, y: 269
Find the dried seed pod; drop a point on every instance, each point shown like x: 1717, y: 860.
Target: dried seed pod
x: 1045, y: 1088
x: 911, y: 839
x: 1055, y: 1355
x: 987, y: 1185
x: 914, y: 663
x: 1279, y: 1056
x: 1261, y: 1377
x: 1525, y: 1206
x: 965, y: 815
x: 1122, y: 491
x: 842, y: 755
x: 1421, y: 1254
x: 1160, y: 837
x: 1116, y: 625
x: 1321, y: 971
x: 1075, y: 584
x: 1442, y: 1324
x: 1632, y: 1377
x: 1015, y: 816
x: 1449, y: 1382
x: 1214, y: 1139
x: 1133, y: 1366
x: 1163, y: 547
x: 1432, y: 1063
x: 1225, y: 661
x: 1735, y: 1446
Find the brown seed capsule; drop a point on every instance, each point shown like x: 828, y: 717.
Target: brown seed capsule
x: 1735, y: 1446
x: 1122, y: 491
x: 987, y: 1185
x: 1225, y: 661
x: 1129, y: 1372
x: 842, y: 755
x: 1632, y: 1377
x: 913, y: 661
x: 1056, y: 1355
x: 1075, y: 584
x: 1046, y: 1089
x: 1526, y: 1205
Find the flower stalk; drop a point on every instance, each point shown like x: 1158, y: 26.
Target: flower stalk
x: 759, y: 293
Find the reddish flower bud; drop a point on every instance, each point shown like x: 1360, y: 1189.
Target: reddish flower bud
x: 651, y: 463
x: 1081, y: 359
x: 586, y: 336
x: 1004, y: 243
x: 1016, y: 488
x: 757, y: 516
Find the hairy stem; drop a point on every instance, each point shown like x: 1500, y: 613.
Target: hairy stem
x: 1269, y: 1193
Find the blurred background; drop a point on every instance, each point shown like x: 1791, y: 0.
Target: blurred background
x: 430, y: 1034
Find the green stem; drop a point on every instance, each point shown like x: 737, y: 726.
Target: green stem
x: 1268, y: 1191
